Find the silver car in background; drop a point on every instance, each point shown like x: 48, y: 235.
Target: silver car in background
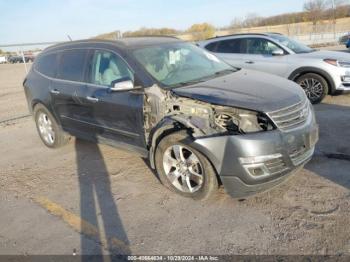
x: 318, y: 72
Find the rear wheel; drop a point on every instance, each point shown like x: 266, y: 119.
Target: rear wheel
x: 49, y: 131
x: 315, y: 87
x: 183, y: 169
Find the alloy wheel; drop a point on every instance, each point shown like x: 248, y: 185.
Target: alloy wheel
x: 313, y: 88
x: 45, y: 128
x: 183, y: 168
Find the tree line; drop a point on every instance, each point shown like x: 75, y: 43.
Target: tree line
x: 313, y: 11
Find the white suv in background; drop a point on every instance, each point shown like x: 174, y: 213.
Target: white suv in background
x: 318, y: 72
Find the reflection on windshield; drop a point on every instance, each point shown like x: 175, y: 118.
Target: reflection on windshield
x: 180, y: 64
x: 292, y: 44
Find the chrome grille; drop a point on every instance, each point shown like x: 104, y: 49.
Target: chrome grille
x: 301, y: 155
x: 276, y: 166
x: 292, y: 116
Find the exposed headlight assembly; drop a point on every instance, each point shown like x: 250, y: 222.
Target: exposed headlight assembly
x: 337, y: 63
x: 242, y: 121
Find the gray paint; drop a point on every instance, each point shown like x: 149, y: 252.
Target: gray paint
x: 246, y: 89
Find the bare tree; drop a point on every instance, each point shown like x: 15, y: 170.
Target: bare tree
x: 340, y: 8
x: 315, y: 9
x: 252, y: 19
x: 236, y: 23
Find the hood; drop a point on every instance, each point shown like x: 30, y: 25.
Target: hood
x: 341, y: 56
x: 246, y: 89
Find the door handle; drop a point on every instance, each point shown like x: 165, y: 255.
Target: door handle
x: 92, y: 99
x: 249, y: 62
x: 55, y: 92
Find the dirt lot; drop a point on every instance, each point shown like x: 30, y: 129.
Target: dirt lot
x: 90, y: 199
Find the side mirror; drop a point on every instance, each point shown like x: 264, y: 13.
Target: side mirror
x: 122, y: 86
x: 278, y: 52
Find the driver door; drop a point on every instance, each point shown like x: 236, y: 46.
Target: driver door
x: 257, y: 55
x: 113, y: 115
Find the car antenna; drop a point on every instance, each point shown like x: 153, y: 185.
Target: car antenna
x: 70, y: 39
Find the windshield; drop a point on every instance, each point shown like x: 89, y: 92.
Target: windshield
x: 292, y: 44
x: 180, y: 64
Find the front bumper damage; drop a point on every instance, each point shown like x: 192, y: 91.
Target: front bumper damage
x: 251, y: 163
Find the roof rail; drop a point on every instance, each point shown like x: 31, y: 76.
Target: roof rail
x: 265, y: 34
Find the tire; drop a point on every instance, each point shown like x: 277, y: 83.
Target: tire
x: 202, y: 186
x: 315, y: 87
x: 51, y: 134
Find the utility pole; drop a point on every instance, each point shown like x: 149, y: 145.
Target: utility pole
x: 334, y: 18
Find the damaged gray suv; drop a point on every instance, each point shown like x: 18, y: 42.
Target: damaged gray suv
x: 200, y: 121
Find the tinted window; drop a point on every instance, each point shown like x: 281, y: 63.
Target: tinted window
x: 107, y: 67
x: 229, y: 46
x: 211, y: 47
x: 47, y: 65
x: 72, y: 65
x: 260, y: 46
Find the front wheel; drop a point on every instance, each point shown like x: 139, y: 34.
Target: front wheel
x: 315, y: 87
x: 183, y: 169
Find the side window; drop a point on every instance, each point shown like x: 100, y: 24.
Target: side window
x: 260, y: 46
x: 107, y: 67
x: 71, y: 65
x: 229, y: 46
x: 211, y: 47
x: 47, y: 65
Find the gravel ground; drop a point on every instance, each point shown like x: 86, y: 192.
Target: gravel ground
x: 90, y: 199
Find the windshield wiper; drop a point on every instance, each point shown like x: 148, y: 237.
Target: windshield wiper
x: 186, y: 83
x: 225, y: 71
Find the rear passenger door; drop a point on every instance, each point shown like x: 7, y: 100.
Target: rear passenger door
x: 65, y: 87
x: 229, y: 50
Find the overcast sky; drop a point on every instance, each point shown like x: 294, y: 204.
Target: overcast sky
x: 51, y: 20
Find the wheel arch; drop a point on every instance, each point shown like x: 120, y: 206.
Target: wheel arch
x: 36, y: 102
x: 166, y: 126
x: 305, y: 70
x: 171, y: 125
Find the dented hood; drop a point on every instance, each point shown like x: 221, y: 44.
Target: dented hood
x: 246, y: 89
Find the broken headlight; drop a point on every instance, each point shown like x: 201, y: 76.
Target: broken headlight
x: 242, y: 121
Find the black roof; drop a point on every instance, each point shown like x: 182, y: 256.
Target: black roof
x: 133, y: 42
x: 128, y: 42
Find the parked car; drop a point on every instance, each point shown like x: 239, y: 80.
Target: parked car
x: 348, y: 43
x: 318, y: 72
x: 29, y: 58
x: 197, y: 119
x: 15, y: 59
x: 344, y: 39
x: 19, y: 59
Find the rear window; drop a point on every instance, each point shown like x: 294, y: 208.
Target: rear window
x: 229, y: 46
x: 72, y: 65
x: 47, y: 65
